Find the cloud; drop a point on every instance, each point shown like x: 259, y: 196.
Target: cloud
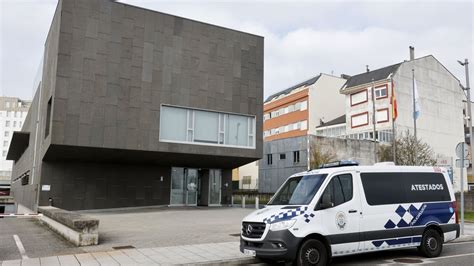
x: 302, y: 39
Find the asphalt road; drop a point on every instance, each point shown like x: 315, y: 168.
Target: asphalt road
x: 453, y: 254
x: 36, y: 239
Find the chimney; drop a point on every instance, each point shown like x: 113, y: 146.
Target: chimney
x: 367, y: 68
x: 412, y: 53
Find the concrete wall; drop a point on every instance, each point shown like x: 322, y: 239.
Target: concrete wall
x: 272, y: 176
x: 441, y: 121
x: 468, y: 201
x: 361, y: 151
x: 325, y: 101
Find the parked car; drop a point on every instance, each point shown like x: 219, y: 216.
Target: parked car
x: 343, y: 209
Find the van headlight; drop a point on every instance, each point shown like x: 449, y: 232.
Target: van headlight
x: 282, y: 225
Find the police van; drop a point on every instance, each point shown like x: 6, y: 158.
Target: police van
x: 344, y: 209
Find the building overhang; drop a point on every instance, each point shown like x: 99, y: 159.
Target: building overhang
x: 20, y: 141
x: 82, y: 154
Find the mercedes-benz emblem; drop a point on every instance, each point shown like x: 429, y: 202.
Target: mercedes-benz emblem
x: 249, y: 229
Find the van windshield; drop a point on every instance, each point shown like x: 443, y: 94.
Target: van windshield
x: 298, y: 190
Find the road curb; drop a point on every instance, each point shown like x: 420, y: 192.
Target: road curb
x: 464, y: 238
x: 239, y: 261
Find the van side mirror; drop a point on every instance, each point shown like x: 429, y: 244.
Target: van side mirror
x: 326, y: 202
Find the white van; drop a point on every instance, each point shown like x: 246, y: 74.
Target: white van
x: 343, y: 210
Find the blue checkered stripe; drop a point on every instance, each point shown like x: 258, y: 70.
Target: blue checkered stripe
x: 418, y: 214
x: 287, y: 215
x: 404, y: 217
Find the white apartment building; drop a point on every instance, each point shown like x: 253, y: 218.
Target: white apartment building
x: 12, y: 115
x: 441, y: 98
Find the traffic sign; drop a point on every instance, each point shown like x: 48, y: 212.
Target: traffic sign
x: 461, y: 149
x: 462, y: 163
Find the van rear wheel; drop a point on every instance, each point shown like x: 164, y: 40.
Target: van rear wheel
x: 431, y: 244
x: 312, y: 252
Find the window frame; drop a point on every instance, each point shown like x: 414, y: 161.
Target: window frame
x: 331, y: 179
x: 296, y: 157
x: 190, y: 127
x: 381, y: 88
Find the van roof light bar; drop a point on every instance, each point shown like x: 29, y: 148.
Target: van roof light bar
x: 339, y: 164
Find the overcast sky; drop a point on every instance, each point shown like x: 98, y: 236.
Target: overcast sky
x: 302, y: 38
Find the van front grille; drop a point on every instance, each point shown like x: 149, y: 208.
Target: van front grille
x: 253, y: 230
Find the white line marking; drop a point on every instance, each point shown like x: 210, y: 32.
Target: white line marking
x: 453, y: 256
x: 20, y: 247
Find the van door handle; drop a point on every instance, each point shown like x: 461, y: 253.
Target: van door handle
x: 352, y: 211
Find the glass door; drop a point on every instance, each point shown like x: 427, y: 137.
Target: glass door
x: 215, y: 178
x: 178, y: 193
x: 191, y: 186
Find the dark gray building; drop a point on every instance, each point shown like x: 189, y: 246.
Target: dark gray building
x: 138, y: 108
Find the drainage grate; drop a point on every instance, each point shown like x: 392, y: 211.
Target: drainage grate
x: 123, y: 247
x: 234, y: 234
x: 408, y: 260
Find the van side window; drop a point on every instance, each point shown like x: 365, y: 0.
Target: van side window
x: 339, y: 189
x: 346, y: 184
x: 396, y: 188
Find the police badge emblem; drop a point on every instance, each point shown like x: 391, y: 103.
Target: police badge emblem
x: 341, y: 220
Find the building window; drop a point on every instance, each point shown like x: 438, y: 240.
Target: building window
x: 359, y: 97
x: 7, y: 123
x: 282, y: 156
x: 7, y: 133
x: 296, y: 156
x: 5, y: 143
x: 20, y: 124
x: 7, y: 105
x: 266, y: 116
x: 360, y: 120
x: 4, y: 153
x: 304, y: 105
x: 381, y: 92
x: 185, y: 125
x: 269, y: 159
x: 48, y: 118
x: 14, y: 123
x: 382, y: 115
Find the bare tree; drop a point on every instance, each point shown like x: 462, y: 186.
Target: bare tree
x: 320, y: 155
x: 410, y: 151
x: 385, y: 153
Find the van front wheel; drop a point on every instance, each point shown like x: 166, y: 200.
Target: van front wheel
x: 312, y: 252
x: 431, y: 244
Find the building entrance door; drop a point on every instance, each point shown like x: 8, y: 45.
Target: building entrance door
x: 184, y: 186
x: 215, y: 179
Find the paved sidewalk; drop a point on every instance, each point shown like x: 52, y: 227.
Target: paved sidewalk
x: 215, y: 253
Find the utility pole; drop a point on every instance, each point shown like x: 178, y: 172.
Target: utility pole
x: 374, y: 122
x: 469, y: 111
x: 469, y: 124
